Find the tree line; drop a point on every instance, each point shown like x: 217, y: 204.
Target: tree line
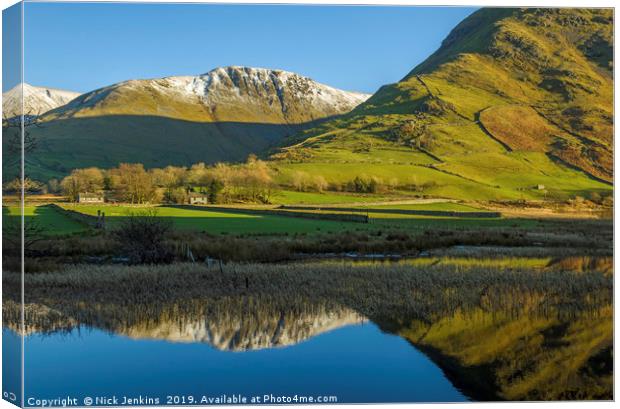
x: 251, y: 181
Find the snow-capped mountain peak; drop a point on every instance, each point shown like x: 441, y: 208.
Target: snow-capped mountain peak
x: 239, y: 94
x: 261, y: 82
x: 37, y: 100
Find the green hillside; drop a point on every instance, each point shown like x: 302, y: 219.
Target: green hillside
x: 514, y: 104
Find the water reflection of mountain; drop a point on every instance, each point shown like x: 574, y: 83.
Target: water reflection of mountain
x: 229, y: 325
x: 495, y: 355
x: 38, y: 318
x: 249, y: 330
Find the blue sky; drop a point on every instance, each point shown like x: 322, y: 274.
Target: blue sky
x: 11, y: 47
x: 85, y: 46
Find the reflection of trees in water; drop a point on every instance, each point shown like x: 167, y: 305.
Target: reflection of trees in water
x: 498, y: 334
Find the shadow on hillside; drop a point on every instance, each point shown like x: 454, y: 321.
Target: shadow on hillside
x: 155, y: 141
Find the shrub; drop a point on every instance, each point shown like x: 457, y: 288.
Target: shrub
x: 304, y: 182
x: 364, y: 184
x: 142, y: 238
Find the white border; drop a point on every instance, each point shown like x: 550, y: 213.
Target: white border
x: 447, y: 3
x: 462, y: 3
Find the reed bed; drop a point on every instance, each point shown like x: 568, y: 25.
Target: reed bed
x: 420, y: 292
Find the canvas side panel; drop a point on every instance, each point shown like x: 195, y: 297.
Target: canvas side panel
x: 12, y: 204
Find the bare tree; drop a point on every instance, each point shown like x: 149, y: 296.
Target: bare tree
x: 13, y: 127
x: 82, y: 181
x: 12, y: 235
x: 133, y: 183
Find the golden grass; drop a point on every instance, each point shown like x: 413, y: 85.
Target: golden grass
x: 519, y: 127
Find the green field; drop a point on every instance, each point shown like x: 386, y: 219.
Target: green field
x: 50, y: 220
x: 288, y: 197
x: 217, y: 222
x: 221, y: 222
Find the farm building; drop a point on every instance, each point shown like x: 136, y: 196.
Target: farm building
x: 198, y: 198
x: 91, y: 198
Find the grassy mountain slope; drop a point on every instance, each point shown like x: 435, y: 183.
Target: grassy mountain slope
x: 511, y: 100
x: 222, y: 115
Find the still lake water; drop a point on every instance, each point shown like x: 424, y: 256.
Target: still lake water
x: 355, y: 363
